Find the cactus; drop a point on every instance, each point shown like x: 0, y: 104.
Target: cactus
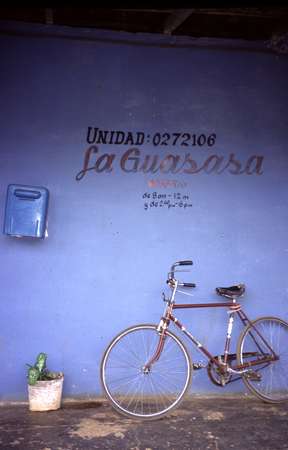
x: 41, y: 362
x: 33, y: 375
x: 39, y: 372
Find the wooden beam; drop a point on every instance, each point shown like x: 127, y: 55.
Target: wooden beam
x: 140, y: 10
x: 176, y: 19
x: 49, y: 16
x: 244, y: 12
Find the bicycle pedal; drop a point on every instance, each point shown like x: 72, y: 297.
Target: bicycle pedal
x: 254, y: 376
x: 198, y: 366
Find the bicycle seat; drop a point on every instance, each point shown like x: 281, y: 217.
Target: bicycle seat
x: 232, y: 291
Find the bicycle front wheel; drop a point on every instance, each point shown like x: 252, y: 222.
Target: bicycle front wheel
x: 132, y: 389
x: 266, y: 338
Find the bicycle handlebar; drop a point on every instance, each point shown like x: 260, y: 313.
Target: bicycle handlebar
x: 181, y: 263
x: 185, y: 263
x: 192, y: 285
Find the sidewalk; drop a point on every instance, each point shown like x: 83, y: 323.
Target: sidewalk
x: 216, y: 423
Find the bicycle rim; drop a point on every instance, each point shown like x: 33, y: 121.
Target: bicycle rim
x: 269, y: 380
x: 139, y: 393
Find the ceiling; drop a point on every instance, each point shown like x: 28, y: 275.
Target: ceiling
x: 233, y: 23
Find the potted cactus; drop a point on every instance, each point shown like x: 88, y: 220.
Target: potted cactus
x: 44, y: 387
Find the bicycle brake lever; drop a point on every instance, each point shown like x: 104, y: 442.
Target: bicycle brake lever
x: 165, y: 299
x: 184, y: 270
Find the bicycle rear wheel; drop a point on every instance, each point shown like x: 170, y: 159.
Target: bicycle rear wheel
x: 132, y: 389
x: 268, y: 380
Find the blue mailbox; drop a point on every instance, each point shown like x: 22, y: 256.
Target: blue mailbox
x: 26, y: 211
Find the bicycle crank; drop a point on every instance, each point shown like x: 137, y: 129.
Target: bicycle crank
x: 216, y: 375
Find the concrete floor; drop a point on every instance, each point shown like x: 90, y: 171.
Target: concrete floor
x: 216, y: 423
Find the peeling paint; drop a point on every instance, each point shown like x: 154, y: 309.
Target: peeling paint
x: 95, y: 427
x: 213, y: 415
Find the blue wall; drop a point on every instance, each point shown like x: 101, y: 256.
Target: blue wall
x: 103, y: 266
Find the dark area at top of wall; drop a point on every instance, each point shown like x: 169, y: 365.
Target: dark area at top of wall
x: 251, y: 23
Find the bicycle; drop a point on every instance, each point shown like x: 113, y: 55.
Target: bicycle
x: 146, y: 370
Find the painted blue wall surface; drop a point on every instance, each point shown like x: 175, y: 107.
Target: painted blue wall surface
x: 110, y: 242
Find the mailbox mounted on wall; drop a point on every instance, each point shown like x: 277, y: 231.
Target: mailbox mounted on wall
x: 26, y: 211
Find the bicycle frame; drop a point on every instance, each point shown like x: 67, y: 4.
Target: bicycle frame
x: 234, y: 308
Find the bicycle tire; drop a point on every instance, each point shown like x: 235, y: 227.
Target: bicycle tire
x: 270, y: 383
x: 142, y: 395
